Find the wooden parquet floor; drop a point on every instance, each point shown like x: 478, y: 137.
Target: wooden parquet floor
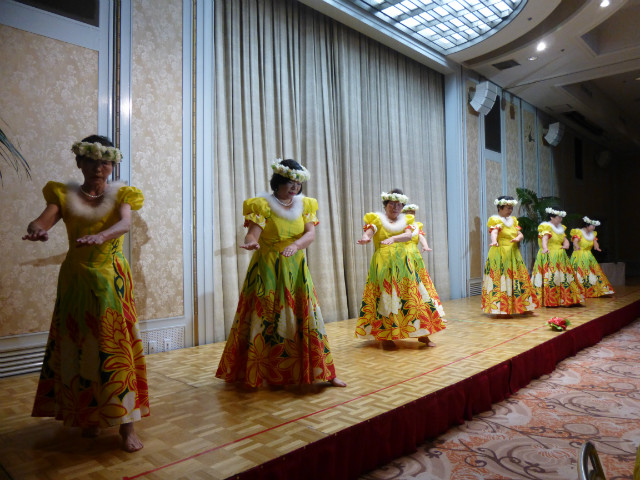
x: 202, y: 428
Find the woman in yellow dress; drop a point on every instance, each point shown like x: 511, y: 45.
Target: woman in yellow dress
x: 553, y: 275
x: 506, y: 286
x: 415, y: 253
x: 278, y: 336
x: 588, y: 270
x: 93, y: 374
x: 395, y: 303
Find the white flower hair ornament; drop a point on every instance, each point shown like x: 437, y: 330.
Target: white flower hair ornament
x: 395, y: 197
x: 551, y: 211
x: 97, y: 151
x: 595, y: 223
x: 411, y: 207
x: 291, y: 173
x: 502, y: 202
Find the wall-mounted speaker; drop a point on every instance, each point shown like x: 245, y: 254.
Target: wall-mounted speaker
x: 554, y: 134
x: 484, y: 97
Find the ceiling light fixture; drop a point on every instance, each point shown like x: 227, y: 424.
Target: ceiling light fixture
x: 604, y: 3
x: 541, y: 46
x: 532, y: 58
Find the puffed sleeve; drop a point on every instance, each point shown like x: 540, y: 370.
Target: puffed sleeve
x: 495, y: 223
x: 309, y: 209
x: 420, y: 227
x: 53, y: 191
x: 131, y: 195
x: 256, y: 210
x: 576, y: 234
x: 544, y: 229
x: 410, y: 219
x: 371, y: 220
x: 516, y: 224
x: 595, y: 234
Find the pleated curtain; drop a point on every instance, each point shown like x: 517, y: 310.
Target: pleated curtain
x: 290, y: 82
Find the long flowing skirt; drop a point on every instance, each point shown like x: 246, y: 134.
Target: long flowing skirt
x: 94, y: 371
x: 278, y: 335
x: 420, y: 267
x: 555, y: 280
x: 590, y: 275
x: 396, y: 303
x: 506, y: 286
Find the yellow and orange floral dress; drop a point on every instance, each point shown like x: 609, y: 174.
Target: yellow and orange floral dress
x: 506, y: 286
x: 396, y: 303
x: 278, y: 335
x: 414, y: 252
x: 590, y: 275
x: 94, y: 371
x: 553, y: 275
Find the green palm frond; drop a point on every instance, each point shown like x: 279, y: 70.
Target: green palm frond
x: 529, y: 228
x: 12, y: 156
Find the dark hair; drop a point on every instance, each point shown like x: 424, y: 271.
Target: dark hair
x: 551, y: 215
x: 102, y: 140
x: 98, y: 139
x: 504, y: 197
x: 277, y: 179
x: 394, y: 190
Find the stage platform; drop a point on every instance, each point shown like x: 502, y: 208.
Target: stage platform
x: 202, y: 428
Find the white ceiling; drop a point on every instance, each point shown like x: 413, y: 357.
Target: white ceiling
x: 586, y: 77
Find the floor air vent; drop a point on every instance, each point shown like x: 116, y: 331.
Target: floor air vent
x: 19, y: 361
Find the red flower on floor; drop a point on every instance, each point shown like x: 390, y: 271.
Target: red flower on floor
x: 559, y: 324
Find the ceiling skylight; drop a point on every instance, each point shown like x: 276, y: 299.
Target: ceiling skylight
x: 445, y: 25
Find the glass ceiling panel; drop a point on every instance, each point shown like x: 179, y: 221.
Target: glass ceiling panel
x: 447, y: 26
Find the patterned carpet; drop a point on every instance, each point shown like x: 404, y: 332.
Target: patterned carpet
x: 537, y: 433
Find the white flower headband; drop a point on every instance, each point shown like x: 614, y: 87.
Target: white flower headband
x: 595, y: 223
x: 97, y: 151
x: 412, y: 207
x: 551, y: 211
x: 395, y: 197
x: 504, y: 202
x: 292, y: 174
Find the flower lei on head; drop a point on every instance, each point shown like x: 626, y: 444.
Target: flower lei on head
x: 559, y: 324
x: 551, y: 211
x: 595, y: 223
x: 504, y: 202
x: 395, y: 197
x: 292, y: 174
x: 412, y: 207
x: 97, y: 151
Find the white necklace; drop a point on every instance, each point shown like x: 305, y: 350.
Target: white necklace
x: 281, y: 202
x: 93, y: 197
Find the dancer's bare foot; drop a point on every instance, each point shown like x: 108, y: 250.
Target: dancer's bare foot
x: 336, y: 382
x: 425, y: 339
x: 91, y: 432
x: 388, y: 345
x: 130, y: 441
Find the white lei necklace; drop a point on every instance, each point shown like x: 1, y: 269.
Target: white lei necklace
x: 587, y: 235
x: 559, y: 230
x: 508, y: 221
x: 393, y: 227
x: 277, y: 207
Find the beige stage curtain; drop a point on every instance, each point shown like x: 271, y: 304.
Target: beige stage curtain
x: 292, y: 83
